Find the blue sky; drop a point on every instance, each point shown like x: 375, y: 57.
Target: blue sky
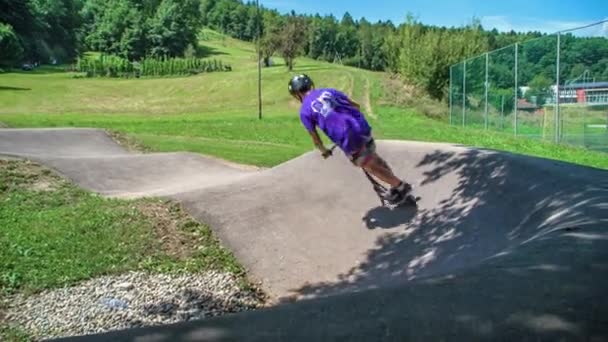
x: 520, y: 15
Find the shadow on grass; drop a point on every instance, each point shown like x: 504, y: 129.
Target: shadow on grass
x: 42, y: 70
x: 13, y: 88
x: 204, y: 51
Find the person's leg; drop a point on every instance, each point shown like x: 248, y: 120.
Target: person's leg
x: 379, y: 168
x: 370, y: 161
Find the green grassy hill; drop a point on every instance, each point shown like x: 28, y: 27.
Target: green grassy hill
x: 217, y: 113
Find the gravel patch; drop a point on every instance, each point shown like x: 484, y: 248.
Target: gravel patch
x: 130, y: 300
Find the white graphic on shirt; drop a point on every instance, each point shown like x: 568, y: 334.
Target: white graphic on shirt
x: 324, y: 104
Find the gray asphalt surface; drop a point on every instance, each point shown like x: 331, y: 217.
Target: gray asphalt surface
x: 501, y: 247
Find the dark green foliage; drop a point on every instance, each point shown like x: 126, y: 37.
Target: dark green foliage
x: 114, y: 66
x: 173, y: 28
x: 291, y: 39
x: 56, y: 31
x: 46, y: 30
x: 135, y: 29
x: 118, y: 29
x: 424, y: 54
x: 539, y: 89
x: 10, y: 47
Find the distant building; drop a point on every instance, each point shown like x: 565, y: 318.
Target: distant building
x: 589, y: 93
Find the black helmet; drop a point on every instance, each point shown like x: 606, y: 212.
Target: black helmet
x: 300, y: 84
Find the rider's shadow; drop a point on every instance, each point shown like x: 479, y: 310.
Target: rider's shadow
x: 389, y: 218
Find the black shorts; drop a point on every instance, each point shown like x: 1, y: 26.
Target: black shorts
x: 364, y: 154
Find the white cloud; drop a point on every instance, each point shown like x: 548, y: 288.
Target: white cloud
x: 526, y: 24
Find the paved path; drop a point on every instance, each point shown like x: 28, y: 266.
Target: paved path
x: 501, y: 247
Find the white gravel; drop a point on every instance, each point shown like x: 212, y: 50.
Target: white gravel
x: 130, y: 300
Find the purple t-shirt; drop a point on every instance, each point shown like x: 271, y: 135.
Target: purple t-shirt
x: 330, y: 110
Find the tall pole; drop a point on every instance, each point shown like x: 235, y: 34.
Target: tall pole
x: 557, y: 76
x: 464, y: 93
x: 516, y: 88
x: 487, y: 86
x: 451, y: 95
x: 502, y: 112
x: 257, y: 2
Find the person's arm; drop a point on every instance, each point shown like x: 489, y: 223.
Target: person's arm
x: 319, y: 144
x: 311, y: 128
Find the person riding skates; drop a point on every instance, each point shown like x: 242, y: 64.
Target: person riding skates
x: 341, y: 119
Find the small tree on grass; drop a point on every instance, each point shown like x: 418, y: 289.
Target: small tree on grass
x: 293, y: 38
x: 271, y: 40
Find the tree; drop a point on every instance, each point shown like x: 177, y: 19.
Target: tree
x: 61, y: 21
x: 271, y: 41
x: 366, y: 44
x: 253, y: 20
x: 347, y: 42
x: 22, y: 17
x: 119, y: 28
x: 238, y: 25
x: 322, y: 37
x: 10, y: 48
x: 173, y: 27
x: 293, y: 38
x: 220, y: 16
x: 378, y: 58
x: 134, y: 42
x: 540, y: 87
x: 423, y: 54
x: 347, y: 20
x: 26, y: 26
x: 205, y: 8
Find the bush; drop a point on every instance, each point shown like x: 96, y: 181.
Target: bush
x: 353, y: 61
x: 113, y: 66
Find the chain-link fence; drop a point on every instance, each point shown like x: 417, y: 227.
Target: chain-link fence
x: 553, y: 88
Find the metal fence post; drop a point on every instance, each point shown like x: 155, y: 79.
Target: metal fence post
x: 464, y: 93
x: 516, y: 89
x: 557, y: 76
x: 257, y: 4
x: 487, y: 86
x: 502, y: 112
x: 451, y: 94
